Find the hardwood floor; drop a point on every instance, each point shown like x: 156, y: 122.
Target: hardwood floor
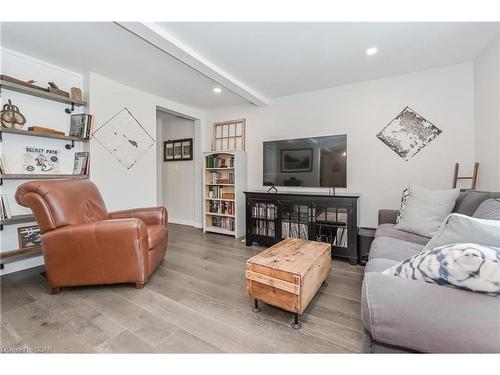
x: 194, y: 303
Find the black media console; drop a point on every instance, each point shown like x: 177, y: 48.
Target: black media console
x: 270, y: 217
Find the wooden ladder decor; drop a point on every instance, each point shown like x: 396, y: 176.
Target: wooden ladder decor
x: 456, y: 177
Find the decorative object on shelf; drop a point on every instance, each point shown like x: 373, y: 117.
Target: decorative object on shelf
x: 5, y: 211
x: 178, y: 149
x: 41, y: 129
x: 80, y: 164
x: 76, y: 94
x: 29, y: 236
x: 81, y: 125
x: 229, y: 135
x: 124, y: 138
x: 11, y: 117
x: 408, y: 133
x: 29, y: 83
x: 4, y: 164
x: 297, y: 160
x: 39, y: 160
x: 54, y: 89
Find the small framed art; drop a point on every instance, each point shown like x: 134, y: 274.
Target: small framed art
x: 178, y: 149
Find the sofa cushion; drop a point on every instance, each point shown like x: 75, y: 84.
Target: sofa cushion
x: 393, y: 249
x: 426, y: 209
x: 389, y: 230
x: 462, y: 228
x: 156, y: 234
x: 489, y: 210
x: 468, y: 201
x: 463, y: 265
x: 379, y: 265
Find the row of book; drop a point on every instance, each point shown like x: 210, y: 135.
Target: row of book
x: 340, y: 238
x: 219, y: 178
x: 265, y: 228
x: 81, y: 164
x: 264, y: 211
x: 215, y: 192
x: 226, y: 223
x: 81, y: 125
x: 221, y: 207
x: 219, y: 162
x: 295, y: 230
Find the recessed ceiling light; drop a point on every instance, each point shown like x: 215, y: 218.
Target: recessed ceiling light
x: 371, y: 51
x: 217, y: 90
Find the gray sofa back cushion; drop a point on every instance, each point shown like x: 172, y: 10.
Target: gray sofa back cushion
x: 468, y: 201
x: 489, y: 210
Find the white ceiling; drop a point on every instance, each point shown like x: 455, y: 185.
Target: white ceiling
x: 109, y: 50
x: 263, y: 60
x: 279, y: 59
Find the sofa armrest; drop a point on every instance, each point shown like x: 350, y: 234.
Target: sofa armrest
x: 103, y: 252
x: 386, y: 216
x: 150, y: 215
x: 428, y: 317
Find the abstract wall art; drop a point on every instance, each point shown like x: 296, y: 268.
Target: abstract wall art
x: 408, y: 133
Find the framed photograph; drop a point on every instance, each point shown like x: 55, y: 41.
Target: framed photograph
x: 29, y: 236
x: 168, y: 151
x: 187, y: 149
x: 178, y: 149
x: 297, y: 160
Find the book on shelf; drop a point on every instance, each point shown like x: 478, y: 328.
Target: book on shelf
x: 341, y: 238
x: 81, y: 125
x: 80, y: 163
x: 295, y: 230
x: 214, y: 161
x: 221, y: 207
x: 226, y: 223
x: 4, y: 165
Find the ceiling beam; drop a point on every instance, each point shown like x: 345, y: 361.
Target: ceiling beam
x: 161, y: 39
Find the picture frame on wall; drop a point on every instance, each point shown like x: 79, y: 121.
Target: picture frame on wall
x: 178, y: 150
x: 29, y: 236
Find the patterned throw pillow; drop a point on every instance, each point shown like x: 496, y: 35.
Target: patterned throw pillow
x: 404, y: 199
x: 463, y: 265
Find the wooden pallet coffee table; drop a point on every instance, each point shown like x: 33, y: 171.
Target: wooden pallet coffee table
x: 288, y: 274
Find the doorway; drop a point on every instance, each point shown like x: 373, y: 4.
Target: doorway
x: 178, y: 182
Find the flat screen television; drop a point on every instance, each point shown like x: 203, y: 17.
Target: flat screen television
x: 307, y: 162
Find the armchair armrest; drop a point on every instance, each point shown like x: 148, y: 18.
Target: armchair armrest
x: 103, y: 252
x: 386, y: 216
x: 150, y: 215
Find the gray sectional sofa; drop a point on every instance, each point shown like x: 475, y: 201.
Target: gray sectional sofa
x: 401, y: 315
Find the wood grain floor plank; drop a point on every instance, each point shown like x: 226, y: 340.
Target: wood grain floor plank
x: 195, y: 302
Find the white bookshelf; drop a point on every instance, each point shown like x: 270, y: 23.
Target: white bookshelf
x: 223, y: 185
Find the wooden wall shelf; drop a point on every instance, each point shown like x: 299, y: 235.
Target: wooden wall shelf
x: 26, y: 176
x: 18, y: 254
x: 43, y: 135
x: 17, y: 219
x: 40, y: 94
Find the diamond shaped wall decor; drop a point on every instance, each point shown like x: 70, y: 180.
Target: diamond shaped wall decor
x: 124, y: 138
x: 408, y: 133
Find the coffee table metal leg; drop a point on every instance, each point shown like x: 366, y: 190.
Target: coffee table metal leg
x: 296, y: 324
x: 256, y: 308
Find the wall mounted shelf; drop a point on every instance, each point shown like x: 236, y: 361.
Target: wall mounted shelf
x: 43, y: 135
x: 17, y: 219
x: 26, y: 176
x: 40, y: 94
x: 19, y: 254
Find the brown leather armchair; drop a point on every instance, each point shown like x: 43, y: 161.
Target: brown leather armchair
x: 83, y: 244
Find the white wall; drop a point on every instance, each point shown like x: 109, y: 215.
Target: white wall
x: 138, y: 186
x: 361, y: 110
x: 178, y: 177
x: 487, y: 116
x: 37, y: 112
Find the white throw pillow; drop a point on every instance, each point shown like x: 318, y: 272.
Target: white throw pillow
x: 462, y: 228
x: 426, y: 209
x: 489, y: 210
x: 463, y: 265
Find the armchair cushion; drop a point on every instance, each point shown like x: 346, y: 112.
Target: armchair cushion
x: 156, y: 234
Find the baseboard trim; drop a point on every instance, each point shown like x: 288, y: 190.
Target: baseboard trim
x: 191, y: 223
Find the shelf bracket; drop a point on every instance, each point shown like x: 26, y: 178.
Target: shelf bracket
x: 2, y: 266
x: 70, y: 110
x: 1, y: 226
x: 70, y: 146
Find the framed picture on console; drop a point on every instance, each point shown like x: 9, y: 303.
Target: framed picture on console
x: 178, y: 149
